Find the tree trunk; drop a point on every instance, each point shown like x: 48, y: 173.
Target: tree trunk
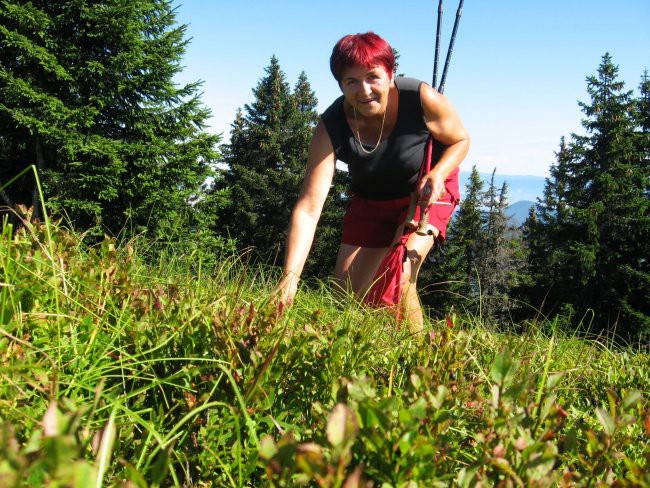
x: 11, y: 213
x: 5, y: 198
x: 40, y: 166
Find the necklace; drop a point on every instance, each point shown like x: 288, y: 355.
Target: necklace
x: 381, y: 132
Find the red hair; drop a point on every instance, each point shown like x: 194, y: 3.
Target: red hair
x: 367, y: 50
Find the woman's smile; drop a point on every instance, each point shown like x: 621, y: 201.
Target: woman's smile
x: 366, y: 89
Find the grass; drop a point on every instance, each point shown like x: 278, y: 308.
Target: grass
x: 124, y: 365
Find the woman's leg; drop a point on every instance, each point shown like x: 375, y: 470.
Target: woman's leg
x: 417, y: 248
x: 356, y: 267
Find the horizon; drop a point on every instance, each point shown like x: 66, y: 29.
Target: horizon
x: 521, y: 188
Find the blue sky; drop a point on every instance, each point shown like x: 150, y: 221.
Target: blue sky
x: 517, y: 72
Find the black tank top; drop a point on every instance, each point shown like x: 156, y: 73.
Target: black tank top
x: 392, y: 170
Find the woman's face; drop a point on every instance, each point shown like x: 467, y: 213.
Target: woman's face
x: 366, y: 89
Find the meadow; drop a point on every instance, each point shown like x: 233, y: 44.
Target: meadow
x: 133, y: 364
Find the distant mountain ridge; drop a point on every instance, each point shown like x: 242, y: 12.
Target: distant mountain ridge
x: 518, y: 212
x: 520, y: 187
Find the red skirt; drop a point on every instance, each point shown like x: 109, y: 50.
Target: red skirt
x: 373, y: 223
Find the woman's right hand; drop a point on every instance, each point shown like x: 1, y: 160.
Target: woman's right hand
x: 287, y: 289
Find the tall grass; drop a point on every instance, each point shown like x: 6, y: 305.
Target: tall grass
x: 121, y: 365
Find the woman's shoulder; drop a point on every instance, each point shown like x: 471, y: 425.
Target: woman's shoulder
x: 406, y: 84
x: 409, y: 95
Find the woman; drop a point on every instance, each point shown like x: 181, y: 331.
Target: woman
x: 379, y: 127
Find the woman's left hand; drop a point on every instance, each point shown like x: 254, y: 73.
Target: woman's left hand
x: 431, y: 188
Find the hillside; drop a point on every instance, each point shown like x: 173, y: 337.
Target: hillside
x: 518, y: 212
x: 164, y: 373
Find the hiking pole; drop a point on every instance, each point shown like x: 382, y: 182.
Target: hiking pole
x: 451, y: 47
x: 422, y: 225
x: 437, y: 56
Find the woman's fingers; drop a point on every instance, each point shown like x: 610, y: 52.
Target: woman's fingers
x: 432, y: 191
x: 287, y: 289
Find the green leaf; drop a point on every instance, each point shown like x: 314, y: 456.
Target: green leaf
x: 133, y: 475
x: 466, y: 477
x: 632, y: 399
x: 361, y: 389
x: 268, y: 448
x: 547, y: 405
x: 84, y: 475
x: 553, y: 380
x: 415, y: 381
x: 606, y: 421
x: 160, y: 467
x: 372, y: 417
x: 503, y: 368
x: 106, y: 447
x: 418, y: 409
x: 441, y: 395
x: 406, y: 441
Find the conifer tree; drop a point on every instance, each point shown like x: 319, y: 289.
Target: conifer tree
x: 643, y: 117
x: 451, y: 280
x: 484, y: 260
x: 88, y: 94
x: 595, y: 216
x: 265, y: 161
x: 546, y: 234
x: 322, y: 257
x: 501, y: 260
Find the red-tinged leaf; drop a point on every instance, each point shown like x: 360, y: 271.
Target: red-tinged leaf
x: 548, y: 435
x: 157, y: 303
x: 342, y: 426
x: 190, y: 398
x: 646, y: 422
x: 251, y: 315
x: 450, y: 323
x: 521, y: 444
x: 354, y: 480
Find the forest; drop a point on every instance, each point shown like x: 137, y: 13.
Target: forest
x: 140, y: 344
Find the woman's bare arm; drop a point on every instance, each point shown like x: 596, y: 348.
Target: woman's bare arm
x: 446, y: 127
x: 321, y: 163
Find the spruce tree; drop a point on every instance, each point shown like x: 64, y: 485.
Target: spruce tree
x: 501, y: 263
x: 322, y: 257
x: 484, y: 261
x: 547, y: 233
x: 88, y: 94
x: 595, y: 217
x: 265, y: 161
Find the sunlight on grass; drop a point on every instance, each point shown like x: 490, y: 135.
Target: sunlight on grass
x: 129, y: 361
